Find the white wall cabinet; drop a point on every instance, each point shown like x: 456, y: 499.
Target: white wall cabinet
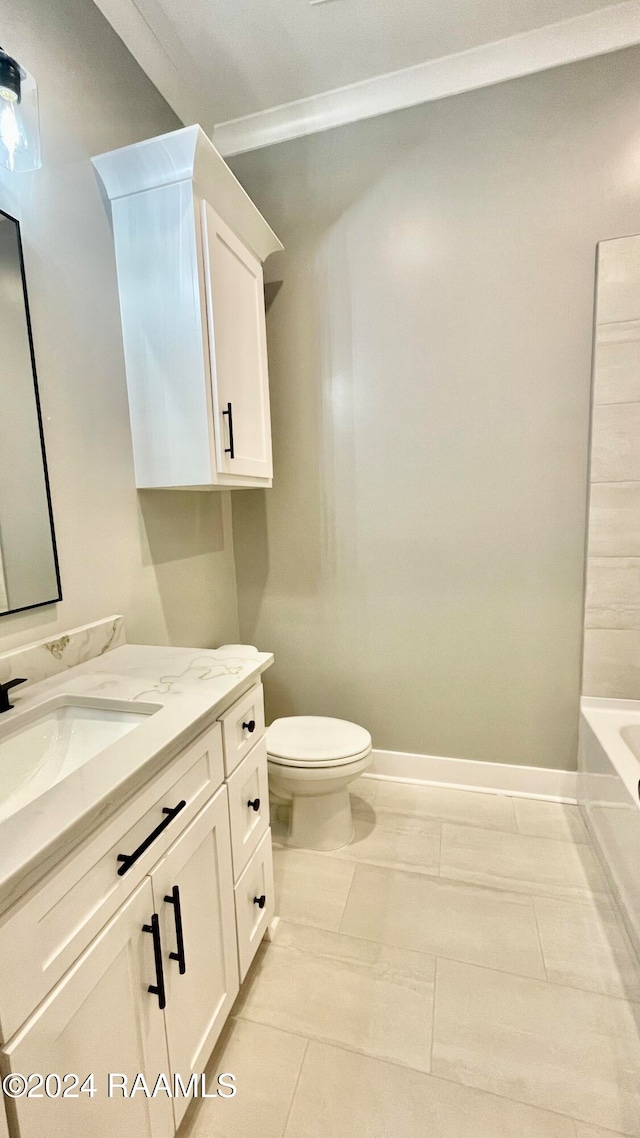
x: 151, y: 991
x: 190, y: 246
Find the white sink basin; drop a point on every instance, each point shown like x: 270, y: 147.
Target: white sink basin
x: 44, y: 745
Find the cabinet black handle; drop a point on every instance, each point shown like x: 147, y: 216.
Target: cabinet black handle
x: 230, y: 449
x: 174, y: 899
x: 260, y: 901
x: 130, y: 859
x: 254, y: 804
x: 157, y: 989
x: 250, y: 726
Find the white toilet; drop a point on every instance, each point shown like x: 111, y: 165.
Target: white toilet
x: 312, y: 760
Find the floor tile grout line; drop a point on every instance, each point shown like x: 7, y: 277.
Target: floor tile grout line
x: 433, y: 1014
x: 452, y: 960
x: 512, y: 891
x: 346, y: 900
x: 569, y: 841
x: 427, y: 1075
x: 537, y: 924
x: 515, y: 832
x: 297, y: 1084
x: 440, y: 853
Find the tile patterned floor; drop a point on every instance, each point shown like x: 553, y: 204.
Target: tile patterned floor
x: 459, y: 970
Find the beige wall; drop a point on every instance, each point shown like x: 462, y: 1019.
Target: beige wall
x: 164, y: 559
x: 612, y: 614
x: 418, y: 565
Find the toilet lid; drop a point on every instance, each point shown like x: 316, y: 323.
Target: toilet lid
x: 316, y: 739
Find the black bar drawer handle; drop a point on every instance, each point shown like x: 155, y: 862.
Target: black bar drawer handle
x: 260, y: 901
x: 157, y: 989
x: 230, y: 450
x: 174, y: 899
x: 130, y: 859
x: 250, y: 726
x: 254, y: 804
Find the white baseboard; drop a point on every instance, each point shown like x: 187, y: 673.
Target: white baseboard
x: 469, y: 774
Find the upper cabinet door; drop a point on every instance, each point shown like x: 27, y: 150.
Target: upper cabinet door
x: 238, y: 350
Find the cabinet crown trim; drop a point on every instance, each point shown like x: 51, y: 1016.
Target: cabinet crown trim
x: 187, y: 155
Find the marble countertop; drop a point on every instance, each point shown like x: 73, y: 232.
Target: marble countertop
x: 191, y: 686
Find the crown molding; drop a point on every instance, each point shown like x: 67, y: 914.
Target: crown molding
x: 581, y: 37
x: 596, y: 33
x: 127, y: 21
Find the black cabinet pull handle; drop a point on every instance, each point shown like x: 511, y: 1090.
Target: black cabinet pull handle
x: 254, y: 805
x: 130, y: 859
x: 260, y: 901
x: 157, y: 989
x: 230, y: 449
x: 174, y: 899
x: 250, y: 726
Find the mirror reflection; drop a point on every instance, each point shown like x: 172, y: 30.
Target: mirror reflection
x: 28, y: 563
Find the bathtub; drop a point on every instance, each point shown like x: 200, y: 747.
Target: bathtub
x: 608, y: 778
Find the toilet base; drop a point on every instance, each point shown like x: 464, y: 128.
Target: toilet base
x: 321, y: 822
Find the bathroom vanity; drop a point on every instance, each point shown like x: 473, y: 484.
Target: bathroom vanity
x: 135, y: 886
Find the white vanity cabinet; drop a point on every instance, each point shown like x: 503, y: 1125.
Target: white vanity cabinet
x: 127, y: 959
x: 100, y: 1019
x: 193, y: 897
x: 190, y: 246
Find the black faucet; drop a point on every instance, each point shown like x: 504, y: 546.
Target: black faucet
x: 4, y: 694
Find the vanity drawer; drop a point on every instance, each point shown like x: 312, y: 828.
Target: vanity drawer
x: 242, y: 726
x: 248, y: 805
x: 251, y: 920
x: 45, y: 934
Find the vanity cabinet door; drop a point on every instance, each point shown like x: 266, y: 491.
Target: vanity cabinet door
x: 238, y: 351
x: 193, y: 894
x: 101, y: 1018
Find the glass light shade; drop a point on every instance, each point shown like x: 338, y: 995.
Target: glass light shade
x: 19, y: 120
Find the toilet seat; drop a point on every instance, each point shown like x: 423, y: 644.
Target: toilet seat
x: 320, y: 764
x: 316, y: 741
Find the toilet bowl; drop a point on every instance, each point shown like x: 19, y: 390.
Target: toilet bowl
x: 312, y: 759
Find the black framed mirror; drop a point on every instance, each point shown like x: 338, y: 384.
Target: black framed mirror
x: 29, y: 572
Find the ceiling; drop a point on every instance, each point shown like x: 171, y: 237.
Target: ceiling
x: 228, y: 59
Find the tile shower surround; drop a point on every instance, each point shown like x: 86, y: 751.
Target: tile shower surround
x: 612, y: 611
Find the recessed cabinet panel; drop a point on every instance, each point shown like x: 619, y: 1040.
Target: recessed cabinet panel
x: 100, y: 1019
x: 238, y: 351
x: 242, y: 726
x: 193, y: 892
x: 157, y: 260
x: 248, y: 790
x: 255, y: 903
